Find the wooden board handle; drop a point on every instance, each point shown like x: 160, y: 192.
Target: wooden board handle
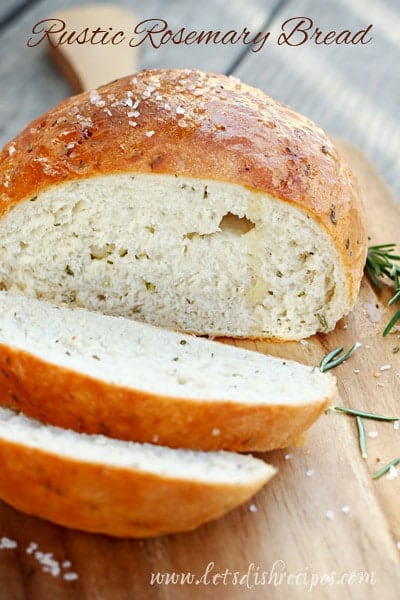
x: 92, y: 63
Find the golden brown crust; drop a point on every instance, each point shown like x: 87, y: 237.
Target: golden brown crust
x: 193, y: 124
x: 66, y: 398
x: 112, y: 500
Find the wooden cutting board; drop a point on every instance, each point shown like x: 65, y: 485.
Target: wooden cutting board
x: 321, y: 515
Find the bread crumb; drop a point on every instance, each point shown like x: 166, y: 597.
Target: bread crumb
x: 216, y: 431
x: 288, y: 456
x: 345, y: 509
x: 356, y: 371
x: 150, y: 133
x: 385, y: 367
x: 11, y: 150
x: 372, y: 434
x: 253, y: 508
x: 330, y: 515
x: 310, y: 472
x: 396, y: 425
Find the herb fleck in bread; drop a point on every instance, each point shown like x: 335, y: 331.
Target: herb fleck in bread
x: 118, y: 488
x: 187, y: 200
x: 130, y: 380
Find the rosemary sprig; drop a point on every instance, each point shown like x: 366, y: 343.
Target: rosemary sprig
x: 365, y: 415
x: 332, y: 359
x: 362, y: 440
x: 386, y: 468
x: 379, y: 266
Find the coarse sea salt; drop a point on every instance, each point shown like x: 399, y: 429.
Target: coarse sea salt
x: 7, y: 544
x: 70, y: 576
x: 393, y: 473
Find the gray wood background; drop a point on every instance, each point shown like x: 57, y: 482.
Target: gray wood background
x: 351, y: 91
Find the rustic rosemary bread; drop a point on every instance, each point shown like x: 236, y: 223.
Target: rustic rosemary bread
x: 118, y: 488
x: 130, y: 380
x: 184, y: 199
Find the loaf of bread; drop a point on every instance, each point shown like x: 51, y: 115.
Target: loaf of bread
x: 101, y: 374
x: 124, y: 489
x: 187, y: 200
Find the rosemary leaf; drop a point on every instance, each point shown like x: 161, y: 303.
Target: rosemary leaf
x: 332, y: 354
x: 372, y: 276
x: 391, y: 323
x: 365, y: 415
x: 362, y: 439
x: 330, y: 361
x: 395, y: 298
x: 386, y: 468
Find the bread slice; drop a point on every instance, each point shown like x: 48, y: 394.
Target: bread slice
x: 119, y: 488
x: 187, y: 200
x: 99, y: 374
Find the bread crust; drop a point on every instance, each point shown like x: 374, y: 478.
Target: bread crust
x: 116, y: 501
x: 194, y: 124
x: 59, y: 396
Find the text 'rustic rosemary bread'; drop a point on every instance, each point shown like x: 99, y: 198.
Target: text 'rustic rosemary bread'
x: 100, y: 374
x: 119, y: 488
x: 187, y: 200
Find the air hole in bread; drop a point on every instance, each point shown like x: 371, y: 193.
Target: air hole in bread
x: 236, y: 224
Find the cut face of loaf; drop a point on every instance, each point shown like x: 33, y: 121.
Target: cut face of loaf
x: 187, y: 200
x: 118, y: 488
x: 192, y: 254
x: 129, y: 380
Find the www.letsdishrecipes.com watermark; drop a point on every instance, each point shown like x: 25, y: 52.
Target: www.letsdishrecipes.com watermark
x: 278, y: 575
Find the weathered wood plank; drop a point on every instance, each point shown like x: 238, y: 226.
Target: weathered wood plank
x: 351, y: 91
x: 30, y: 84
x: 9, y: 8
